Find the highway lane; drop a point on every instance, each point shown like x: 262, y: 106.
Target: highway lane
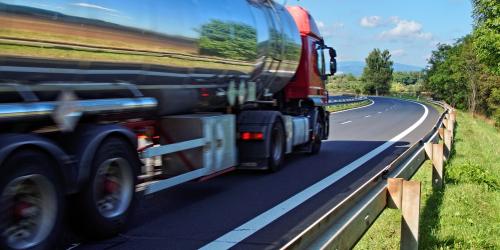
x: 193, y: 215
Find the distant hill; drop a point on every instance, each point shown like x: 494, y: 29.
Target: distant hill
x: 356, y: 67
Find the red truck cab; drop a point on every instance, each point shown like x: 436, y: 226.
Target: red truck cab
x: 309, y: 80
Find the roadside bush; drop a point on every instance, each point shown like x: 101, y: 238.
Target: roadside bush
x: 494, y: 104
x: 470, y: 172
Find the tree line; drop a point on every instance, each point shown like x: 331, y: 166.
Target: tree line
x: 466, y: 74
x: 378, y: 78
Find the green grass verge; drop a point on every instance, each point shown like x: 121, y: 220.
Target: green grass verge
x: 466, y: 214
x: 341, y: 107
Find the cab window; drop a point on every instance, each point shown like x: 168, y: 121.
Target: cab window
x: 320, y: 60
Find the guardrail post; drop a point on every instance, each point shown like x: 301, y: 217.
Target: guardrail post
x: 428, y: 150
x: 453, y: 117
x: 447, y: 120
x: 410, y: 208
x: 441, y: 133
x: 448, y: 136
x: 394, y: 187
x: 405, y: 195
x: 438, y: 164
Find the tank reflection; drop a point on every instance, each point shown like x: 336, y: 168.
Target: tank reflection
x: 198, y: 44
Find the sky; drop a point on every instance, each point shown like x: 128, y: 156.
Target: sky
x: 410, y: 30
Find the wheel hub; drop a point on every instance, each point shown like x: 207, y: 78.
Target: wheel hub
x: 113, y: 187
x: 110, y: 186
x: 24, y: 209
x: 31, y: 210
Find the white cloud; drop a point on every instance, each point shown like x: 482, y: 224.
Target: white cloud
x: 398, y: 52
x: 329, y: 30
x: 93, y: 6
x: 394, y: 19
x: 338, y: 25
x: 320, y: 24
x: 370, y: 21
x: 406, y: 29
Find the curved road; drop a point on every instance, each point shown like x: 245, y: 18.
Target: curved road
x: 255, y: 210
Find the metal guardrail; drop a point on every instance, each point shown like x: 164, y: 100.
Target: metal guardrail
x: 346, y: 100
x: 345, y: 223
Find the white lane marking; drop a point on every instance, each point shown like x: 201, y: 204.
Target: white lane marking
x: 373, y: 102
x: 367, y: 116
x: 346, y: 122
x: 240, y: 233
x: 74, y: 245
x: 379, y: 112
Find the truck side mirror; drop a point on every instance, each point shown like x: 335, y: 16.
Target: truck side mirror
x: 333, y: 52
x: 333, y: 66
x: 333, y: 61
x: 327, y: 62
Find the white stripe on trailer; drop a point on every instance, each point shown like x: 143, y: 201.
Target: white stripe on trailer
x: 173, y: 181
x: 172, y: 148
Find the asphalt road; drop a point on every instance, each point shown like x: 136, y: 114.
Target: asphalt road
x: 256, y: 210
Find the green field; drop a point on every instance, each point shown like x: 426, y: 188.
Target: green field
x: 466, y: 213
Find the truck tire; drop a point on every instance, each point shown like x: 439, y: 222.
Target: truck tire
x: 277, y: 147
x: 318, y: 136
x: 104, y: 206
x: 31, y: 202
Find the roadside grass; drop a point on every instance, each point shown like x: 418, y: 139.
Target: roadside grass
x: 466, y: 213
x: 341, y: 107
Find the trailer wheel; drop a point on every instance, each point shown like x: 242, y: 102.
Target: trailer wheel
x: 105, y: 204
x: 277, y: 147
x: 31, y: 202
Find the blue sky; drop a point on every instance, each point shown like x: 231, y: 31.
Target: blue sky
x: 409, y: 29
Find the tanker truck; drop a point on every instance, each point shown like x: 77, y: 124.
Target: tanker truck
x: 103, y: 102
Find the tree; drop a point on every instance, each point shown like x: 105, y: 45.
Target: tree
x: 456, y: 76
x: 444, y: 77
x: 468, y: 69
x: 493, y: 102
x: 377, y: 74
x: 350, y: 77
x: 345, y: 83
x: 486, y: 33
x: 407, y: 78
x: 467, y: 73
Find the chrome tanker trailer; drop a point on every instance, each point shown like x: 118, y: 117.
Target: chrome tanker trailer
x: 102, y: 101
